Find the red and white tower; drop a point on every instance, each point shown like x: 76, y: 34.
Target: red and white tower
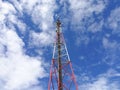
x: 61, y: 73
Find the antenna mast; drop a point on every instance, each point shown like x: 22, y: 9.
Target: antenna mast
x: 61, y: 72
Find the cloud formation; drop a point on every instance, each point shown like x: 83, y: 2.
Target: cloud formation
x: 102, y: 82
x: 19, y: 71
x: 113, y: 21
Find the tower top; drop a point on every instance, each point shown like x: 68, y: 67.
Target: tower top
x: 58, y: 23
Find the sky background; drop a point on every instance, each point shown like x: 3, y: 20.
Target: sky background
x: 92, y: 33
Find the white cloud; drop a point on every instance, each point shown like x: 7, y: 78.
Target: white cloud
x: 103, y: 82
x: 85, y: 8
x: 22, y: 74
x: 86, y: 18
x: 112, y: 47
x: 45, y: 16
x: 8, y: 17
x: 40, y: 39
x: 41, y: 13
x: 19, y: 71
x: 82, y: 39
x: 112, y: 73
x: 35, y: 88
x: 100, y: 84
x: 109, y: 44
x: 26, y: 5
x: 114, y: 21
x: 6, y: 8
x: 96, y: 27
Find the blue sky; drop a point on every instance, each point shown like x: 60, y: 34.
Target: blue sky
x: 92, y: 33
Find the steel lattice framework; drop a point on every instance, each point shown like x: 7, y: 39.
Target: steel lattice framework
x: 61, y: 73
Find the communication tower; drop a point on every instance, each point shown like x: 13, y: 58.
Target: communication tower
x: 61, y: 73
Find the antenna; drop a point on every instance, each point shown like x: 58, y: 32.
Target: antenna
x: 61, y: 73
